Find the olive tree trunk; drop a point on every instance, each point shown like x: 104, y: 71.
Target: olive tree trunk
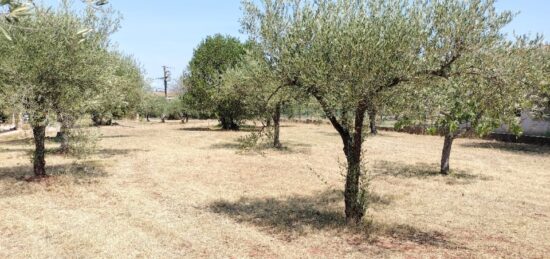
x: 39, y: 157
x: 277, y: 127
x: 446, y: 154
x: 353, y: 144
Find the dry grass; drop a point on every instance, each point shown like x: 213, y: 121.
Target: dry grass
x: 169, y: 190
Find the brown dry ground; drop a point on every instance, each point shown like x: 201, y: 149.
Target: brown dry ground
x: 170, y: 191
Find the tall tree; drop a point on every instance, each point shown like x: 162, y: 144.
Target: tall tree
x: 210, y: 60
x: 347, y: 54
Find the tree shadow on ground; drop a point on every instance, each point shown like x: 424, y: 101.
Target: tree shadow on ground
x: 423, y: 171
x: 80, y: 170
x: 288, y: 147
x: 292, y: 217
x: 13, y: 179
x: 26, y: 142
x: 14, y: 150
x: 109, y: 153
x: 27, y: 145
x: 116, y: 136
x: 511, y: 147
x: 246, y: 128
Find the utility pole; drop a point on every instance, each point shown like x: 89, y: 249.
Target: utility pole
x: 166, y: 77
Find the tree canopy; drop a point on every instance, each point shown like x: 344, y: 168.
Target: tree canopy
x: 57, y: 61
x: 349, y: 54
x: 210, y: 60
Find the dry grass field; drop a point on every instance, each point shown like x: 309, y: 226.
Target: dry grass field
x: 173, y: 190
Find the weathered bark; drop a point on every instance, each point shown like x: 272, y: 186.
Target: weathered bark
x: 353, y: 149
x: 446, y: 155
x: 372, y: 119
x: 353, y: 143
x: 277, y: 127
x: 163, y: 119
x: 147, y: 117
x: 39, y: 158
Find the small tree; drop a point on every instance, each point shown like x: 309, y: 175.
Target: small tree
x: 152, y: 105
x: 477, y: 99
x: 262, y: 92
x: 121, y: 92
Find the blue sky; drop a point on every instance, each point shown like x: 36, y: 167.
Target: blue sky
x: 165, y: 32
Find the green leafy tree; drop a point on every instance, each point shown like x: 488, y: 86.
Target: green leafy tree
x: 349, y: 54
x: 56, y: 57
x: 262, y: 93
x: 477, y: 99
x: 210, y: 60
x: 122, y: 90
x: 153, y: 105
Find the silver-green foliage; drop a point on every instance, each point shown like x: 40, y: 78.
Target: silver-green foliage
x: 349, y: 54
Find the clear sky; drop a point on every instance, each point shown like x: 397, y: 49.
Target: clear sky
x: 165, y: 32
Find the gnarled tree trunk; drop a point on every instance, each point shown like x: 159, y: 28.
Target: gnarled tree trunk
x: 353, y: 149
x: 39, y: 158
x: 277, y: 127
x: 353, y: 142
x: 446, y: 154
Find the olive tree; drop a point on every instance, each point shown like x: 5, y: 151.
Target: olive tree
x: 121, y: 89
x: 477, y: 99
x: 263, y: 95
x: 348, y: 54
x: 57, y: 62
